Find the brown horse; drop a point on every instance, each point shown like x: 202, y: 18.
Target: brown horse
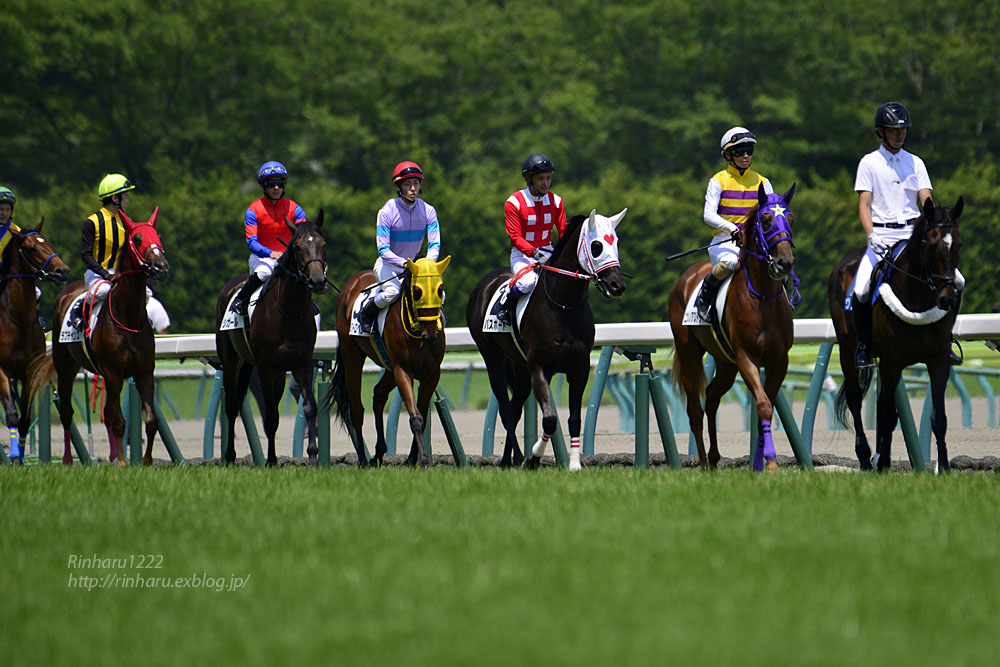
x: 121, y: 344
x: 414, y: 344
x: 757, y: 322
x: 911, y: 323
x: 27, y: 257
x: 280, y: 337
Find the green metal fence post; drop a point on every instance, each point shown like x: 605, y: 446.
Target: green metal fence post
x: 641, y: 420
x: 558, y: 441
x: 134, y: 426
x: 450, y: 432
x: 530, y: 422
x: 211, y: 414
x: 815, y: 391
x: 164, y: 428
x: 909, y: 431
x: 392, y: 421
x: 490, y: 425
x: 802, y: 453
x: 663, y: 423
x: 594, y: 403
x: 44, y: 400
x: 76, y: 439
x: 250, y: 427
x: 323, y: 426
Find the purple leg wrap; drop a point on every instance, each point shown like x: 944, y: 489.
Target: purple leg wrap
x: 758, y: 455
x: 769, y: 452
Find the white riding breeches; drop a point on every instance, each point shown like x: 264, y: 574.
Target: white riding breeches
x: 518, y: 260
x: 262, y: 266
x: 726, y: 253
x: 388, y: 292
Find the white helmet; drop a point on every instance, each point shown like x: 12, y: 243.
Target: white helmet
x: 737, y: 135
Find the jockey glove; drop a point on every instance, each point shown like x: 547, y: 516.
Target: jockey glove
x: 877, y: 245
x: 735, y: 236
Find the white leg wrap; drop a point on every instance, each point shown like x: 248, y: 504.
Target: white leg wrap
x: 538, y: 449
x: 574, y: 455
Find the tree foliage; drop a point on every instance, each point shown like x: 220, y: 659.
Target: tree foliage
x: 628, y: 99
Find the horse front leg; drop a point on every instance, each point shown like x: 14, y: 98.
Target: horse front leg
x: 540, y: 385
x: 304, y: 377
x: 10, y: 410
x: 235, y: 381
x: 405, y: 384
x: 424, y: 396
x: 764, y: 451
x: 114, y: 421
x: 725, y: 374
x: 886, y: 416
x: 577, y: 383
x: 939, y: 375
x: 271, y: 387
x: 380, y: 395
x: 146, y: 387
x: 65, y: 379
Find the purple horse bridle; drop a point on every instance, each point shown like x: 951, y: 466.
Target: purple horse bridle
x: 780, y: 231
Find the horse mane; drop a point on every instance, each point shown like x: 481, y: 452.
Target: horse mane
x: 572, y: 226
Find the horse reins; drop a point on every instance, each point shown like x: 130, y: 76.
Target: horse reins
x: 40, y: 273
x: 933, y: 281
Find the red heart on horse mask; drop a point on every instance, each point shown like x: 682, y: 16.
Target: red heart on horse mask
x: 610, y: 238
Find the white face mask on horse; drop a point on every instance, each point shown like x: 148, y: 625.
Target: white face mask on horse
x: 598, y: 246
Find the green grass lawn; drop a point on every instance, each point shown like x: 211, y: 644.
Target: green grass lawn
x: 486, y: 567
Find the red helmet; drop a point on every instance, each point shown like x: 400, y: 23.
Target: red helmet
x: 406, y: 170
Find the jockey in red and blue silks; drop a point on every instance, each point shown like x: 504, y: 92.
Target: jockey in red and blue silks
x: 266, y: 229
x: 530, y: 216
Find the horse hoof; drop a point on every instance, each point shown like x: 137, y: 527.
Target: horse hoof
x: 122, y: 463
x: 147, y: 461
x: 772, y: 465
x: 531, y: 463
x: 505, y: 463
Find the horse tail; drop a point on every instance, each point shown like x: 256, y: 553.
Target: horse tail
x: 865, y: 376
x: 677, y: 372
x: 338, y: 392
x: 41, y: 370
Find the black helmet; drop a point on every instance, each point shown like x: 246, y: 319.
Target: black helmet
x: 892, y: 114
x: 537, y: 163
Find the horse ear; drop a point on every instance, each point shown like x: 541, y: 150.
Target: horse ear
x: 956, y: 210
x: 411, y: 266
x: 40, y: 223
x: 291, y: 225
x: 618, y: 218
x: 788, y: 195
x: 590, y: 224
x: 928, y: 207
x: 319, y: 219
x: 443, y: 264
x: 761, y: 195
x: 152, y: 218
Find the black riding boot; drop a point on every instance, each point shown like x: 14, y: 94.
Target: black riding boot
x: 863, y: 357
x: 240, y: 302
x: 76, y: 315
x: 505, y: 313
x: 708, y: 291
x: 367, y: 315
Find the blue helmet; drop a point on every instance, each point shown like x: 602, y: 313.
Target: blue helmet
x: 272, y: 168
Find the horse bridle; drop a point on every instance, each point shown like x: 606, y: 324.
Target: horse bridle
x: 39, y: 271
x: 769, y: 240
x: 935, y: 282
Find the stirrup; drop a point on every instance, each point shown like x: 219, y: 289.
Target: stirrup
x: 863, y: 358
x: 240, y: 306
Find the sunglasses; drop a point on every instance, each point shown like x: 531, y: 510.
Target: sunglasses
x: 742, y: 150
x: 275, y: 183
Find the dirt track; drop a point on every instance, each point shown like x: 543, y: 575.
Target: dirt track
x: 829, y: 446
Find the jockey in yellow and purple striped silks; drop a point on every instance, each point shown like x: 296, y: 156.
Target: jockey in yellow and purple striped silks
x: 730, y: 200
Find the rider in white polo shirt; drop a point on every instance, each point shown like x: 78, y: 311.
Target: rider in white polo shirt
x: 892, y: 186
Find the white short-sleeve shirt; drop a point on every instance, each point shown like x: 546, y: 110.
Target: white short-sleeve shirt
x: 894, y: 181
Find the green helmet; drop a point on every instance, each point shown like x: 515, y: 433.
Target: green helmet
x: 7, y: 195
x: 113, y: 184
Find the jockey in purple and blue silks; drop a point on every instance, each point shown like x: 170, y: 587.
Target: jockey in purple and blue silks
x: 400, y: 228
x: 729, y: 201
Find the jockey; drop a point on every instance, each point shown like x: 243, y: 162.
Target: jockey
x: 400, y: 227
x: 104, y: 241
x: 7, y: 227
x: 530, y: 215
x: 892, y: 186
x: 729, y: 202
x: 264, y: 223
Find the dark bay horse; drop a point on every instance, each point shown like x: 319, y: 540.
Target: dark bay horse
x: 27, y: 258
x: 414, y: 343
x: 911, y: 323
x: 557, y: 331
x: 121, y: 344
x: 757, y: 322
x: 280, y: 338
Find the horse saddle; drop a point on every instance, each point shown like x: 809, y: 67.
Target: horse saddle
x: 232, y: 320
x: 691, y: 317
x: 70, y: 334
x: 491, y: 324
x: 375, y: 331
x: 880, y: 274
